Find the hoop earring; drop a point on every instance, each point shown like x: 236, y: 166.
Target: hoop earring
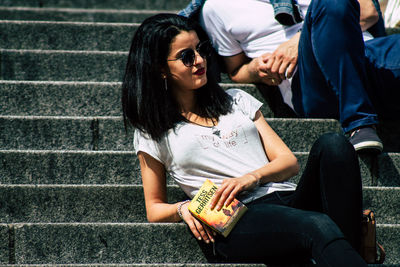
x: 165, y: 84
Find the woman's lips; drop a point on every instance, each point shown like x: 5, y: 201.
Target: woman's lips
x: 200, y: 71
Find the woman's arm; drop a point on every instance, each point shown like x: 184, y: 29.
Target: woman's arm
x: 155, y: 191
x: 155, y: 194
x: 282, y: 162
x: 282, y: 165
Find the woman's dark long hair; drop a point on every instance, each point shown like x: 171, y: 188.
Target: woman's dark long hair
x: 146, y: 104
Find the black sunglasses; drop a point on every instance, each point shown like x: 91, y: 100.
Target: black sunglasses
x: 188, y: 56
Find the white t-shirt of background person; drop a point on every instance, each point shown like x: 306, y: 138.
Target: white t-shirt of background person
x: 192, y: 153
x: 248, y: 26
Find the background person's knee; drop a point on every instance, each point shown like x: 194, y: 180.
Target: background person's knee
x: 339, y: 9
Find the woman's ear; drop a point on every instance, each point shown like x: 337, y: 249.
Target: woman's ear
x: 163, y: 73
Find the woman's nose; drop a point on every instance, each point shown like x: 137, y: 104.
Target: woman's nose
x: 198, y: 59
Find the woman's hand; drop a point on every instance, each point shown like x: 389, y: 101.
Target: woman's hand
x: 199, y: 230
x: 230, y: 188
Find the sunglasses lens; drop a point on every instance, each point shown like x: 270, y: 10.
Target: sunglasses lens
x: 204, y: 49
x: 188, y: 57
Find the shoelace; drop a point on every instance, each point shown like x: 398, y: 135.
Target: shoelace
x: 359, y: 129
x: 354, y: 132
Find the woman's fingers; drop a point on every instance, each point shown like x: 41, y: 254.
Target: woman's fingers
x: 218, y: 195
x: 231, y: 196
x: 209, y: 232
x: 202, y: 231
x: 199, y: 231
x: 226, y: 191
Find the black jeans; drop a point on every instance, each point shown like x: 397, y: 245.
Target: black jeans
x: 320, y: 220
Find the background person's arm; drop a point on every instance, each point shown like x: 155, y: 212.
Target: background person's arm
x: 242, y: 69
x: 268, y: 68
x: 271, y: 69
x: 368, y: 14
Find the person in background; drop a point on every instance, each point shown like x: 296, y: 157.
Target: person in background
x: 392, y: 13
x: 322, y: 65
x: 186, y: 125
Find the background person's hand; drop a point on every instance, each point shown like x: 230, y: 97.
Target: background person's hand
x: 263, y: 72
x: 199, y: 230
x: 283, y: 60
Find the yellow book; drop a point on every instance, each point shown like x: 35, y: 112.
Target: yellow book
x: 221, y: 221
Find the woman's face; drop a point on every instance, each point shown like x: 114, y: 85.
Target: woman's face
x: 180, y: 77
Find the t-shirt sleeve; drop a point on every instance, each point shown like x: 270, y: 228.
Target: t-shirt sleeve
x: 245, y: 102
x: 141, y: 142
x: 223, y: 41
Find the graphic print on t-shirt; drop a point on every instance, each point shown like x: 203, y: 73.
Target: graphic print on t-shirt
x: 225, y: 140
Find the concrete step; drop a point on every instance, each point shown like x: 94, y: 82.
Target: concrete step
x: 54, y: 65
x: 63, y: 133
x: 66, y: 35
x: 23, y: 98
x: 122, y: 167
x: 107, y: 133
x: 179, y: 265
x: 63, y: 98
x: 123, y: 243
x: 69, y: 167
x: 116, y: 4
x: 154, y: 265
x: 103, y: 243
x: 40, y: 98
x: 77, y: 14
x: 158, y: 265
x: 114, y: 203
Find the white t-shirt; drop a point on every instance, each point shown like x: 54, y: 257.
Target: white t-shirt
x: 248, y: 26
x: 192, y: 153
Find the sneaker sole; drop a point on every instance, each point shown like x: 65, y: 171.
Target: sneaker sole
x: 369, y: 145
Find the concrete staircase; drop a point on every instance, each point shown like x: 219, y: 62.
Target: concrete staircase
x: 70, y: 187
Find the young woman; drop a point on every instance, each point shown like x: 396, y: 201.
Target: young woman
x: 187, y: 125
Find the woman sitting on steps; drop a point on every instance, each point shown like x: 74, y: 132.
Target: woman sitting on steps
x: 187, y: 125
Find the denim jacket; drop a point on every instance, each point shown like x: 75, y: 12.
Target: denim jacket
x: 287, y: 12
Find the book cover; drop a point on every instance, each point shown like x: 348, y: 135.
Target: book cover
x: 221, y: 221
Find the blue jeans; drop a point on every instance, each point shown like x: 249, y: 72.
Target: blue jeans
x: 339, y: 76
x: 321, y: 220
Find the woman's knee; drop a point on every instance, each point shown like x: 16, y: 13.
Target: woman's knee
x: 321, y: 229
x: 335, y: 144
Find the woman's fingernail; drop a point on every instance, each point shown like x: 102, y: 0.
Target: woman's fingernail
x: 199, y: 238
x: 207, y: 241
